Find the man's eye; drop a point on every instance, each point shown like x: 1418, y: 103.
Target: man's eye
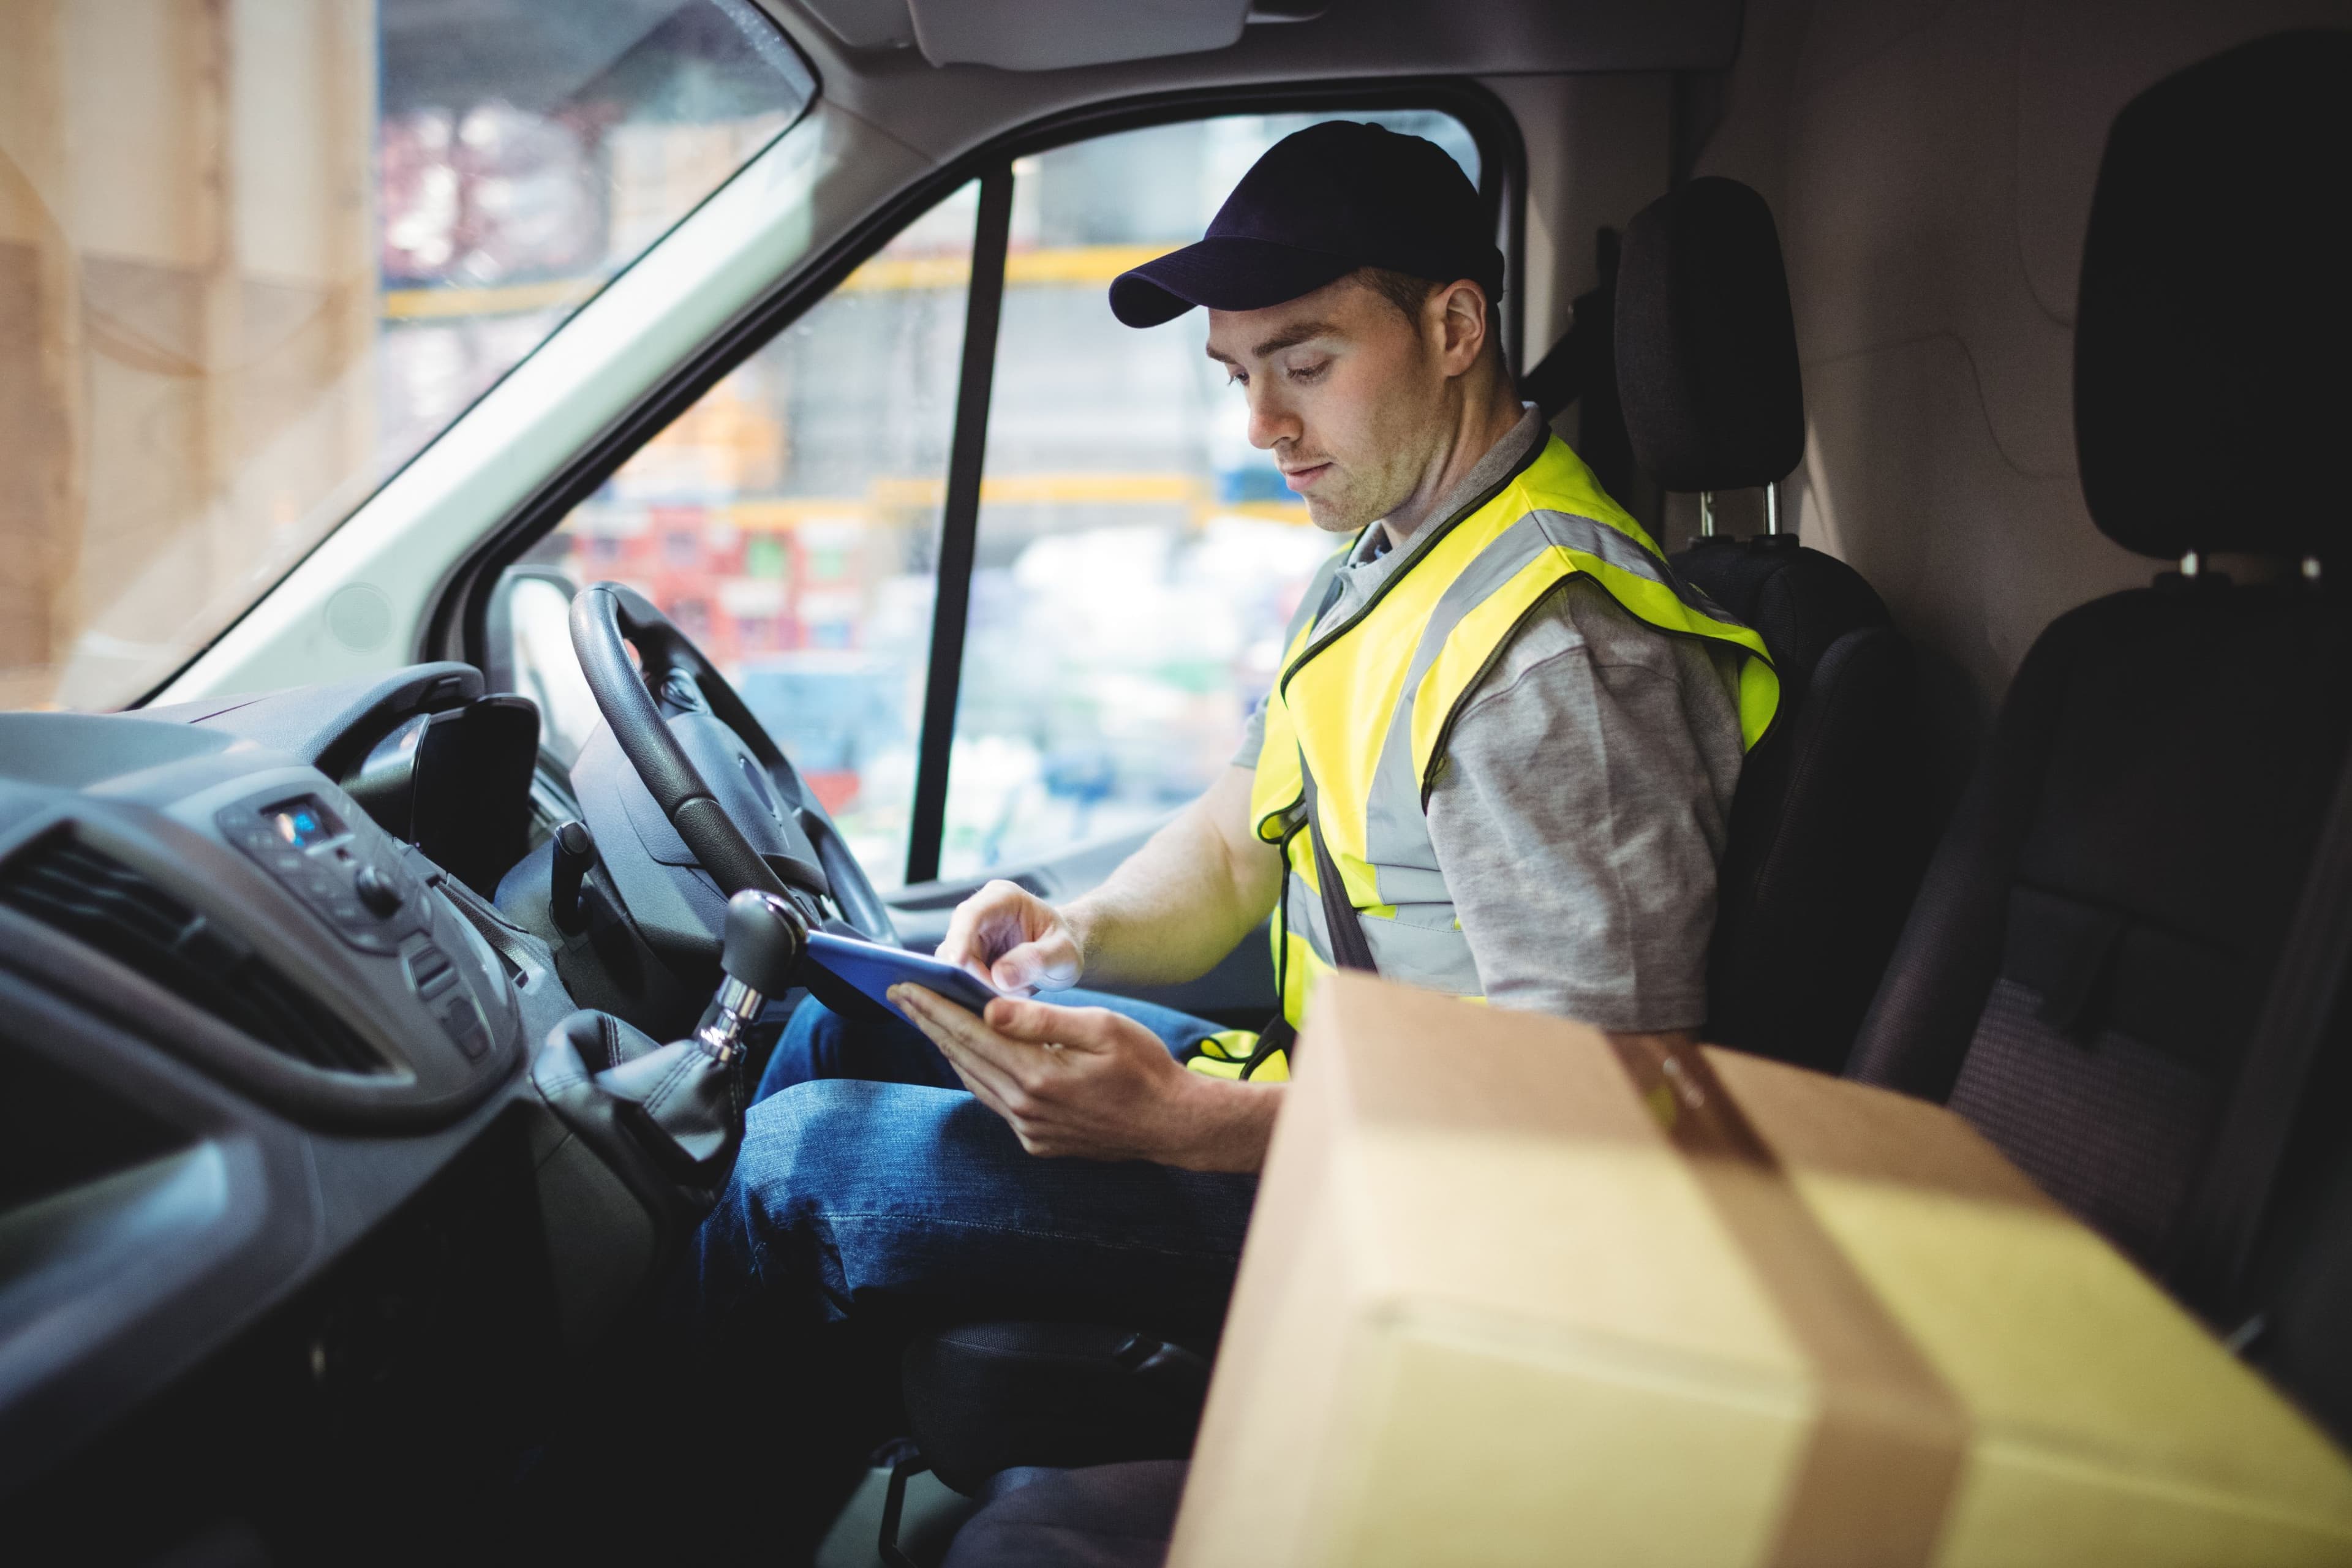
x: 1310, y: 371
x: 1236, y: 378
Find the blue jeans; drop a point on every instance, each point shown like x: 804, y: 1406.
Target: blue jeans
x: 872, y: 1187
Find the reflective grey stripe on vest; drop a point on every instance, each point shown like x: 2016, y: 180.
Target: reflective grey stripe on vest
x: 1419, y: 946
x: 1310, y: 603
x: 1396, y: 830
x: 1422, y: 943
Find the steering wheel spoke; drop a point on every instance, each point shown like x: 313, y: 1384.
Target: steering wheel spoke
x: 718, y: 776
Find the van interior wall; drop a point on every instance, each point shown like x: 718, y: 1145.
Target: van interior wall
x: 1931, y: 166
x: 1600, y: 149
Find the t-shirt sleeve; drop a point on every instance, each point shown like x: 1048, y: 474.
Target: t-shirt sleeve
x: 1253, y: 737
x: 1580, y: 814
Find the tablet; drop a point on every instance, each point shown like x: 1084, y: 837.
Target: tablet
x: 872, y: 968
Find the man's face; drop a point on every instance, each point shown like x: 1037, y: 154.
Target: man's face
x: 1347, y: 395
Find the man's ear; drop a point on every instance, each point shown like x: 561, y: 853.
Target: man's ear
x: 1461, y: 311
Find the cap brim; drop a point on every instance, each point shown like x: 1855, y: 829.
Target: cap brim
x: 1224, y: 274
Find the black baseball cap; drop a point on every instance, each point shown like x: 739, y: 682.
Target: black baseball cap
x: 1321, y: 203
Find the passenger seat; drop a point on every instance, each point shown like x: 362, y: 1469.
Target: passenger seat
x: 1827, y: 841
x: 2103, y: 923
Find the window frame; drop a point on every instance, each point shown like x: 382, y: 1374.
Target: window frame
x: 458, y: 621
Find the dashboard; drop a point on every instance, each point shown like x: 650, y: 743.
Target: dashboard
x: 288, y: 1238
x: 267, y: 1144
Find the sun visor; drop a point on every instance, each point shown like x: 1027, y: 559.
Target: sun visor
x: 865, y: 24
x: 1048, y: 34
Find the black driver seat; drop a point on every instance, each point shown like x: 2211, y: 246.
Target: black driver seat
x: 1827, y: 838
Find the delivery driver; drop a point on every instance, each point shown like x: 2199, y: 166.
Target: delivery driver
x: 1498, y: 762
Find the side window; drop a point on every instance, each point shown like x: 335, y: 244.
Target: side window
x: 1135, y: 560
x: 789, y: 524
x: 1118, y: 565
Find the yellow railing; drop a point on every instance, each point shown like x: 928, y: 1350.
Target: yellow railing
x: 1014, y: 490
x: 1068, y: 266
x: 783, y: 514
x: 1071, y: 265
x: 506, y: 300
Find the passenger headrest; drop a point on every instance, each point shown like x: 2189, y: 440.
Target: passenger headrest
x: 1706, y: 347
x: 2213, y: 337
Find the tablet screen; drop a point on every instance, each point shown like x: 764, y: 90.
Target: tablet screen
x: 874, y: 968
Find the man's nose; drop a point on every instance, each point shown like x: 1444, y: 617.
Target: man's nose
x: 1269, y: 420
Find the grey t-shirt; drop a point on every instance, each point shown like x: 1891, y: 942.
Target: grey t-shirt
x: 1582, y: 809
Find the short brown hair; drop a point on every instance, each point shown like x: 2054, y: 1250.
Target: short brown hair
x: 1403, y: 289
x: 1409, y: 294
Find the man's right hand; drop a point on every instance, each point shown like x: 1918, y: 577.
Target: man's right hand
x: 1013, y: 939
x: 1167, y: 914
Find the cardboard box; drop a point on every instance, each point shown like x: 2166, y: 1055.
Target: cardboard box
x: 1511, y: 1297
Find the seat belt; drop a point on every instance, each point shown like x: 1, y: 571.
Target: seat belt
x: 1340, y: 920
x: 2224, y: 1215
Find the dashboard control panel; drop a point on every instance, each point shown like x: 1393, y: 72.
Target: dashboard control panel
x: 350, y: 874
x: 362, y: 893
x: 235, y: 906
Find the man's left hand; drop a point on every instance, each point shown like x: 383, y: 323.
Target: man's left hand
x: 1088, y: 1083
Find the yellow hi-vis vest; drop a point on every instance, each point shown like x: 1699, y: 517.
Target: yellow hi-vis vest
x: 1367, y: 706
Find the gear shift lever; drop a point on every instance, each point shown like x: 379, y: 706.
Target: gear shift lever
x: 765, y: 938
x: 669, y: 1118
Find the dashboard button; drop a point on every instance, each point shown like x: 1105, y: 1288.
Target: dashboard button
x: 336, y: 883
x: 463, y: 1021
x: 282, y: 861
x: 430, y: 972
x: 323, y: 890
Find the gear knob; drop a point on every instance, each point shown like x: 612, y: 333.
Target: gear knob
x: 765, y: 936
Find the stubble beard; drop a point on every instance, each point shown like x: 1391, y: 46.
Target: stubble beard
x: 1341, y: 512
x: 1359, y: 504
x: 1398, y: 450
x: 1332, y: 517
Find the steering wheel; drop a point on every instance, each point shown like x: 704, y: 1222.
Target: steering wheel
x: 710, y: 766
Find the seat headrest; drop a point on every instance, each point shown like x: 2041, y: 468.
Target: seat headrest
x: 1706, y: 346
x: 2213, y: 333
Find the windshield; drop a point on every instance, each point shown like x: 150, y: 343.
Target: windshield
x: 253, y: 260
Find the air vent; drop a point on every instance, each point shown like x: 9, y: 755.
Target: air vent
x: 98, y: 900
